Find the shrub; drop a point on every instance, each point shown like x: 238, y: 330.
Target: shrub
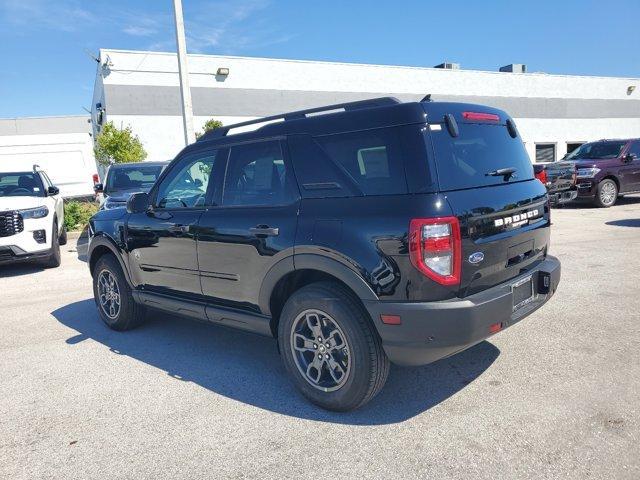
x: 77, y: 214
x: 115, y: 145
x: 209, y: 125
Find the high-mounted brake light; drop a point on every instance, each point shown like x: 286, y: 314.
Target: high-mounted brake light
x: 435, y: 248
x: 486, y: 117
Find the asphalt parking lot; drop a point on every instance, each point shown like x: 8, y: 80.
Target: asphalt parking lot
x: 556, y: 396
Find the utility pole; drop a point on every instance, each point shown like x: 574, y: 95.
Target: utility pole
x: 183, y: 71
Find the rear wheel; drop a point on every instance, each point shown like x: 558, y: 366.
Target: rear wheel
x: 54, y: 259
x: 330, y: 348
x: 607, y: 193
x: 112, y: 294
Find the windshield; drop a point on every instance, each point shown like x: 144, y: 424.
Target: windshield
x: 476, y: 156
x: 597, y: 150
x: 139, y: 177
x: 21, y: 184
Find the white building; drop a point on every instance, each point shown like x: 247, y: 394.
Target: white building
x: 553, y: 112
x: 62, y: 146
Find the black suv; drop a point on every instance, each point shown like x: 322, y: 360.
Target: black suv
x: 354, y: 234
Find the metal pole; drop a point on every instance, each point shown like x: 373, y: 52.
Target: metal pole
x: 183, y: 71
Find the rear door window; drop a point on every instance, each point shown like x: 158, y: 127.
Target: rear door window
x: 465, y: 161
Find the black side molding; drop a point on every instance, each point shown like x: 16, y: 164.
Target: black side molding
x: 204, y: 312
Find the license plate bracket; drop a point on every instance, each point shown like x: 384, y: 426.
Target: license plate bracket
x: 522, y: 292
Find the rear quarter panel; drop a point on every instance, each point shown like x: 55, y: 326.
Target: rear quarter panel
x: 369, y: 235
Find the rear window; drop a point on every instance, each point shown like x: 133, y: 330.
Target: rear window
x: 464, y: 161
x: 128, y: 178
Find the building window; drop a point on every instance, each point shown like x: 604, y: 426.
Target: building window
x: 571, y: 146
x: 545, y: 152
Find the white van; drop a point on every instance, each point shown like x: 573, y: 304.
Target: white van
x: 61, y: 146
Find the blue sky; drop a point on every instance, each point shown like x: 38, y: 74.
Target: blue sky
x: 46, y: 69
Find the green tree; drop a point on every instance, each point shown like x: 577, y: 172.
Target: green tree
x: 210, y: 124
x: 115, y: 145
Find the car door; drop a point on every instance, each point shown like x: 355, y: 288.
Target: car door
x: 162, y: 241
x: 252, y: 227
x: 633, y: 167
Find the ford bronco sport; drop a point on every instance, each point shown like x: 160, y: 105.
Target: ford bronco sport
x: 355, y: 234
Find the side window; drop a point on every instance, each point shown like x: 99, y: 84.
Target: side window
x: 186, y: 185
x: 635, y: 150
x: 257, y: 175
x: 373, y: 158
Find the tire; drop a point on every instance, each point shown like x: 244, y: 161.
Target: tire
x: 359, y: 364
x: 63, y: 236
x: 606, y: 194
x: 108, y: 279
x: 54, y: 259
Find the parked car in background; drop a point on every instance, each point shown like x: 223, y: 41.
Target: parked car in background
x: 124, y: 179
x: 607, y: 169
x: 560, y: 180
x: 356, y: 235
x: 31, y: 218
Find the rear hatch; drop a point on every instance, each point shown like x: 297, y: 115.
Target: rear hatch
x: 487, y: 177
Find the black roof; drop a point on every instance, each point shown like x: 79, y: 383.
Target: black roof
x: 133, y: 164
x: 344, y: 117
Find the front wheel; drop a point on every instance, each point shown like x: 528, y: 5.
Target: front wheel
x: 113, y: 297
x: 607, y: 193
x: 55, y: 258
x: 330, y: 348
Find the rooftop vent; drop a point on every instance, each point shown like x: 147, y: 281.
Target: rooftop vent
x: 448, y: 66
x: 514, y: 68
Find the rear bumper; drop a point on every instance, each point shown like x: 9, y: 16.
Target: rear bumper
x: 562, y: 197
x: 434, y: 330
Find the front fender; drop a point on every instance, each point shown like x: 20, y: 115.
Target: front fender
x: 99, y: 244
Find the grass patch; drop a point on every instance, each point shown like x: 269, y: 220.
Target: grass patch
x: 77, y: 214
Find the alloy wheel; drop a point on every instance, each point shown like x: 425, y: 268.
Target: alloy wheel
x: 109, y: 294
x: 320, y: 350
x: 608, y: 193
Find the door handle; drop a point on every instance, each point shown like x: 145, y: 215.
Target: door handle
x: 265, y: 231
x: 179, y: 229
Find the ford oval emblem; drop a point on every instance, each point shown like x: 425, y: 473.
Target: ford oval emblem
x: 476, y: 257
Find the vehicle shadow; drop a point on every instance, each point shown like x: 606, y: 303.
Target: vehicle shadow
x: 20, y: 269
x: 247, y: 367
x: 626, y: 222
x: 626, y: 200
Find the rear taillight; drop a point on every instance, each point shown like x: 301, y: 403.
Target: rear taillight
x: 542, y: 176
x: 435, y: 249
x: 484, y: 117
x: 96, y: 178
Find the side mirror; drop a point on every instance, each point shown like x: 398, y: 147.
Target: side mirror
x: 138, y: 203
x: 98, y: 188
x: 628, y: 158
x: 53, y: 191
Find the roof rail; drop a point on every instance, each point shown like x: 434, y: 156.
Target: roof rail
x: 349, y: 106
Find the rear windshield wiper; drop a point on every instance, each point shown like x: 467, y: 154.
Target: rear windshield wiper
x: 502, y: 172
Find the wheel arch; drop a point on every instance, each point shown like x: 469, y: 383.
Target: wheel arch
x: 102, y: 245
x: 284, y: 279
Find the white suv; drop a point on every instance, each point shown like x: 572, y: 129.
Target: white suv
x: 31, y: 218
